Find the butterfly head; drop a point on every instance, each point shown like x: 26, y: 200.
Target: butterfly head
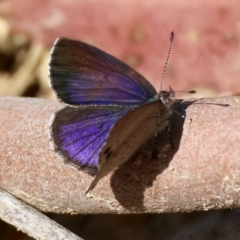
x: 167, y: 97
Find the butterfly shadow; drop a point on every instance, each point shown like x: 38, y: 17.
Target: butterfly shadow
x: 131, y: 179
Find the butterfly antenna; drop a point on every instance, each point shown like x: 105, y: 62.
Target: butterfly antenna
x: 169, y: 51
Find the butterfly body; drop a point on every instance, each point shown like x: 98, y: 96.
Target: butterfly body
x: 112, y: 109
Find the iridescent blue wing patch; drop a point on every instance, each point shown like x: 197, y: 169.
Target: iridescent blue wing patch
x: 79, y: 133
x: 81, y: 74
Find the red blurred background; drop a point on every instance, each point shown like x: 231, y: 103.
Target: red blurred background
x: 206, y: 48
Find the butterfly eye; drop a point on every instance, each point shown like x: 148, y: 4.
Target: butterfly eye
x: 165, y: 100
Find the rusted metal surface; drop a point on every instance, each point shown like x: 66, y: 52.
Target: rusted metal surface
x: 200, y: 173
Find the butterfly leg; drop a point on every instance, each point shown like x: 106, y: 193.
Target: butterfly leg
x: 169, y: 134
x: 155, y: 150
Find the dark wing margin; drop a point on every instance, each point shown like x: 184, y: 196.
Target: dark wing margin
x: 79, y: 133
x: 81, y: 74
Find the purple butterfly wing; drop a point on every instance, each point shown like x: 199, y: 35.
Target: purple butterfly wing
x: 79, y: 133
x: 81, y: 74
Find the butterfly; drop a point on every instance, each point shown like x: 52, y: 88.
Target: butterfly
x: 111, y: 109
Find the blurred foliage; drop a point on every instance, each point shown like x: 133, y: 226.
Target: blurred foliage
x: 23, y: 65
